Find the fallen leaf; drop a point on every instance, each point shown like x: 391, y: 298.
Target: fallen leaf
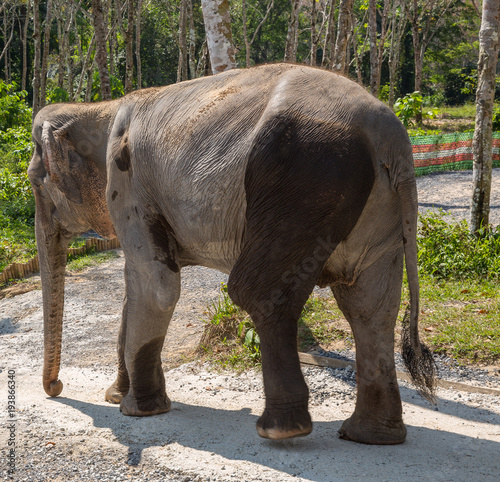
x: 464, y: 291
x: 429, y: 328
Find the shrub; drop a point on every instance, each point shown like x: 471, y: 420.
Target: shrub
x: 14, y: 111
x: 496, y: 118
x: 447, y: 250
x: 408, y: 107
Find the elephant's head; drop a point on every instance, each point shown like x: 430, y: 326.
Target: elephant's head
x: 68, y: 176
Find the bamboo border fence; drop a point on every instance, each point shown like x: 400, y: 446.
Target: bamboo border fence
x: 23, y: 270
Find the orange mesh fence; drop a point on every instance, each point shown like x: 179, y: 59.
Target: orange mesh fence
x: 444, y: 152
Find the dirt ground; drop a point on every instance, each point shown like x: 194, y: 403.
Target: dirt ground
x: 210, y: 432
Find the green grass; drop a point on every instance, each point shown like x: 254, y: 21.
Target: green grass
x: 229, y: 339
x: 459, y: 301
x: 466, y: 111
x: 461, y: 318
x: 81, y: 262
x: 317, y: 324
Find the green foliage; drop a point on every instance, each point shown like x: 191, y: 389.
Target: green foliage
x: 17, y: 213
x: 434, y: 100
x: 117, y: 89
x: 460, y: 86
x: 17, y: 240
x: 269, y: 45
x: 17, y: 205
x: 14, y: 111
x: 419, y: 131
x: 384, y: 93
x: 461, y: 318
x: 230, y: 338
x: 447, y: 250
x: 408, y: 107
x: 248, y: 333
x: 56, y: 94
x: 496, y: 118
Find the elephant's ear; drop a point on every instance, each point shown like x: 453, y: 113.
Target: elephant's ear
x: 62, y: 162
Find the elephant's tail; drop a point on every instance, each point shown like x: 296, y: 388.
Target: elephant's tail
x: 417, y: 357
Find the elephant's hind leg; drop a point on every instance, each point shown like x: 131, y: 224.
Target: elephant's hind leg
x: 275, y: 312
x: 305, y: 192
x: 371, y: 307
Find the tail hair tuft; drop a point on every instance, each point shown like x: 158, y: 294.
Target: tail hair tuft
x: 422, y: 369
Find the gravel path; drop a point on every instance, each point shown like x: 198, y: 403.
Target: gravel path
x: 452, y: 192
x: 210, y: 432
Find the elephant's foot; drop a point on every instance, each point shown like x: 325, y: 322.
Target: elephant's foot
x: 115, y: 393
x: 366, y: 431
x: 281, y: 425
x: 143, y: 407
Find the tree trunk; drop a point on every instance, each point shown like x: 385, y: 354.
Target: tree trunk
x: 5, y: 54
x: 129, y: 52
x: 25, y: 45
x: 192, y: 42
x: 418, y: 60
x: 182, y: 66
x: 138, y: 43
x: 101, y: 55
x: 37, y: 37
x: 374, y: 59
x: 355, y: 50
x: 90, y: 79
x: 45, y: 58
x: 482, y: 143
x: 398, y: 26
x: 245, y: 33
x: 330, y: 35
x: 381, y: 41
x: 314, y: 39
x: 292, y: 34
x: 60, y: 51
x: 204, y: 69
x: 85, y: 68
x: 219, y: 37
x: 339, y: 56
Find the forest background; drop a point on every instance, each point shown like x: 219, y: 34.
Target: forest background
x: 418, y: 56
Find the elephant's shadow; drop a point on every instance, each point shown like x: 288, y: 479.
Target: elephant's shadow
x: 439, y: 454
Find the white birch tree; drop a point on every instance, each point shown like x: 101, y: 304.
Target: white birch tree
x: 219, y: 37
x: 489, y: 45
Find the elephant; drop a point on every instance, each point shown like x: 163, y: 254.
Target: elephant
x: 284, y: 177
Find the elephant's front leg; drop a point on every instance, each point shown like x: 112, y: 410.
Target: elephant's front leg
x: 152, y: 292
x: 371, y: 307
x: 120, y: 387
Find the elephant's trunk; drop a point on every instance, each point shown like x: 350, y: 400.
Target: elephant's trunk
x: 52, y: 254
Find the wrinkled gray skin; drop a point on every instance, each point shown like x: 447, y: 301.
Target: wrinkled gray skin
x: 282, y: 176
